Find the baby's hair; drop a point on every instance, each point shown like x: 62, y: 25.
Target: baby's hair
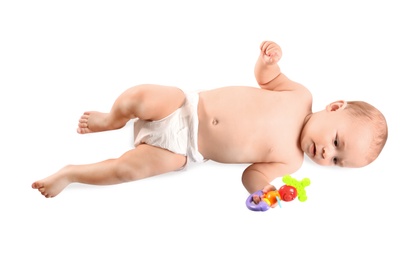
x: 370, y: 115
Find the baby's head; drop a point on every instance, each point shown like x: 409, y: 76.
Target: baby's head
x: 347, y: 134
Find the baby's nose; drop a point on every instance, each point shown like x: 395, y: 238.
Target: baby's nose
x: 325, y: 153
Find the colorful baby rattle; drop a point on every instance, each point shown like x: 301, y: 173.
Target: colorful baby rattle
x: 288, y: 192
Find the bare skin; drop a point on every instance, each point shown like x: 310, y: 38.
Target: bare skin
x: 239, y: 124
x: 97, y: 122
x: 141, y: 162
x: 236, y: 125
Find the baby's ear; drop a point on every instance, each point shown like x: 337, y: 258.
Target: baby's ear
x: 337, y: 105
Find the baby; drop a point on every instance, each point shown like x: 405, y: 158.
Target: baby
x: 271, y: 128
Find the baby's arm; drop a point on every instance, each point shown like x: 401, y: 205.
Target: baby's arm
x: 259, y: 175
x: 267, y: 71
x: 266, y: 68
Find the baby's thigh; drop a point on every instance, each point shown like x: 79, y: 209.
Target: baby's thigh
x: 154, y: 102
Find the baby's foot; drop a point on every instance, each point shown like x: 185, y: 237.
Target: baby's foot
x: 92, y: 121
x: 52, y: 185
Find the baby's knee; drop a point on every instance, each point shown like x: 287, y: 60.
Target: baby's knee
x: 128, y: 173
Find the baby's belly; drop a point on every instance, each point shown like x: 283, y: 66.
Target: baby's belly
x: 239, y: 125
x: 228, y: 140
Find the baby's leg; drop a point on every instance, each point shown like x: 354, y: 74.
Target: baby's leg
x: 142, y: 162
x: 147, y: 102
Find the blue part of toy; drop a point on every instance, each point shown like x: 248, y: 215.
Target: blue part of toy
x: 261, y: 206
x: 278, y: 201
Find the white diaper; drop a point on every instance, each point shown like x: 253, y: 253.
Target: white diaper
x: 177, y: 132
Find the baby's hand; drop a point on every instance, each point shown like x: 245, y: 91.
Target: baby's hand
x: 266, y: 189
x: 271, y: 52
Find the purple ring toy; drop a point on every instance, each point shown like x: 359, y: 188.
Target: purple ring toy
x: 261, y: 206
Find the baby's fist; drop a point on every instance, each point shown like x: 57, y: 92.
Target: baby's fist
x: 270, y: 52
x: 268, y: 188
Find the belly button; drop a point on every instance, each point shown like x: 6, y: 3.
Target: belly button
x: 215, y: 122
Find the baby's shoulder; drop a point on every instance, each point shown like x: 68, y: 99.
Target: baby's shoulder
x: 303, y: 92
x: 300, y: 95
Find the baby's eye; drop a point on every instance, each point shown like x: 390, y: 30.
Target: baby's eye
x: 336, y: 142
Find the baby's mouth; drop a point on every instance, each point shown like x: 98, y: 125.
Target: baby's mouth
x: 314, y: 150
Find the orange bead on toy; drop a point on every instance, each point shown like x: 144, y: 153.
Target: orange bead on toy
x: 270, y: 197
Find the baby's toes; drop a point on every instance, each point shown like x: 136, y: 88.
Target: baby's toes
x: 36, y: 185
x: 83, y: 124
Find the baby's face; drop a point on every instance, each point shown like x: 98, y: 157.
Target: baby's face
x: 335, y: 138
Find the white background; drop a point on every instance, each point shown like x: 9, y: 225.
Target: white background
x: 60, y: 58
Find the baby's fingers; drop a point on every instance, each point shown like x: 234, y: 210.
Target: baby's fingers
x: 264, y: 45
x: 273, y: 57
x: 256, y: 198
x: 271, y: 51
x: 269, y: 47
x: 268, y: 188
